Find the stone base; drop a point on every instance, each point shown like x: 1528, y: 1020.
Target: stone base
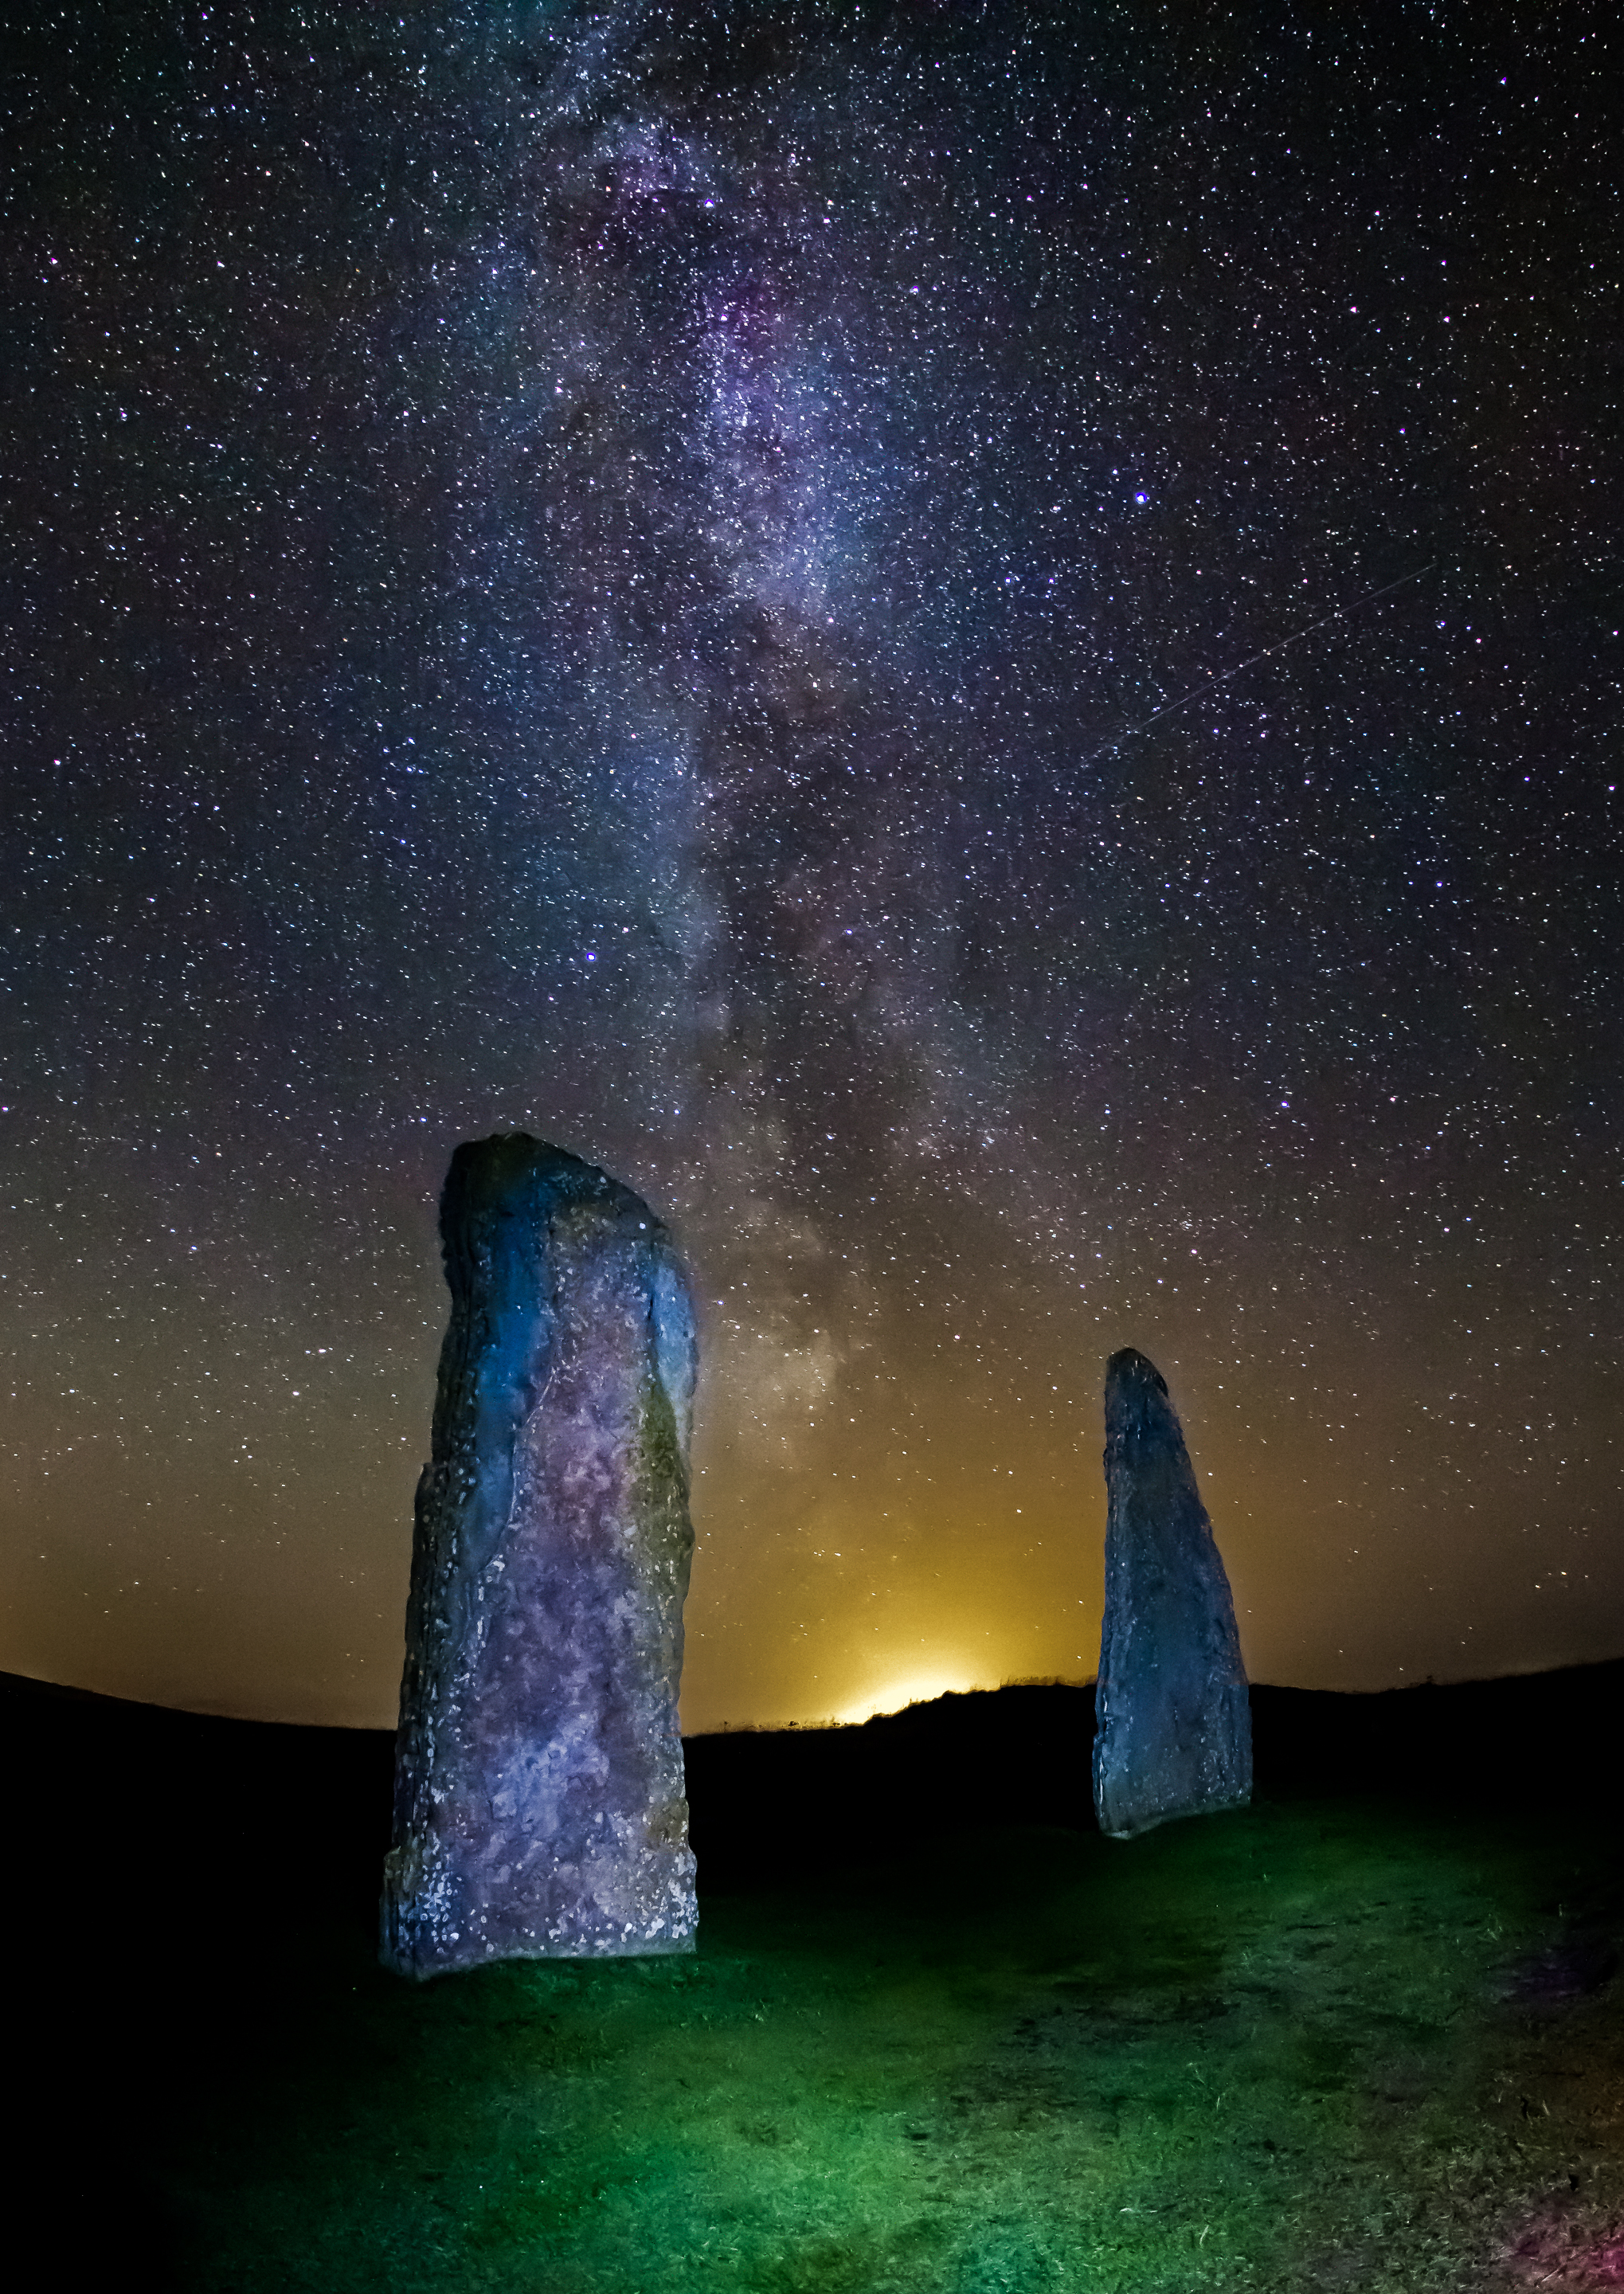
x: 420, y: 1936
x: 1200, y: 1771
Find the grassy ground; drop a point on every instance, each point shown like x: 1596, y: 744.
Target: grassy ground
x: 1346, y: 2044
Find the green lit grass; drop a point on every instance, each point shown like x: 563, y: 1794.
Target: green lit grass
x: 1271, y: 2050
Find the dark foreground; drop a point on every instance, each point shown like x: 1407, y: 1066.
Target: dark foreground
x: 939, y: 2035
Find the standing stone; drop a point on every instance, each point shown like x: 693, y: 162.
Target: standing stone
x: 538, y: 1802
x: 1173, y: 1727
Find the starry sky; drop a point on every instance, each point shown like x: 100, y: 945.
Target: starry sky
x: 979, y: 645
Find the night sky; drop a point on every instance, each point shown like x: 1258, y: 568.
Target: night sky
x: 977, y: 645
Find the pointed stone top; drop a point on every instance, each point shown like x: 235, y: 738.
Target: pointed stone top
x: 1130, y: 1364
x: 511, y: 1172
x: 1137, y: 1405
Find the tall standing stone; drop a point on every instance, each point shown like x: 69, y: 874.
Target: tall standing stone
x: 1174, y: 1726
x: 539, y: 1806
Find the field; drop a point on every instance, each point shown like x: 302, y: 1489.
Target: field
x: 1347, y: 2041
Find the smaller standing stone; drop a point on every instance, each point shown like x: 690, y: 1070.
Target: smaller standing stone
x: 1173, y: 1725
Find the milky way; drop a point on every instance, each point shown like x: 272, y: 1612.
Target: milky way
x: 979, y: 647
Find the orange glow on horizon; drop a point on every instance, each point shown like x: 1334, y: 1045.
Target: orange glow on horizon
x: 920, y: 1685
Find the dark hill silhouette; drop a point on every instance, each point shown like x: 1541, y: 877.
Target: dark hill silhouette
x: 778, y: 1800
x: 173, y: 1818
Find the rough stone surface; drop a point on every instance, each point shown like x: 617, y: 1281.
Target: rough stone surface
x: 1175, y: 1730
x: 539, y: 1808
